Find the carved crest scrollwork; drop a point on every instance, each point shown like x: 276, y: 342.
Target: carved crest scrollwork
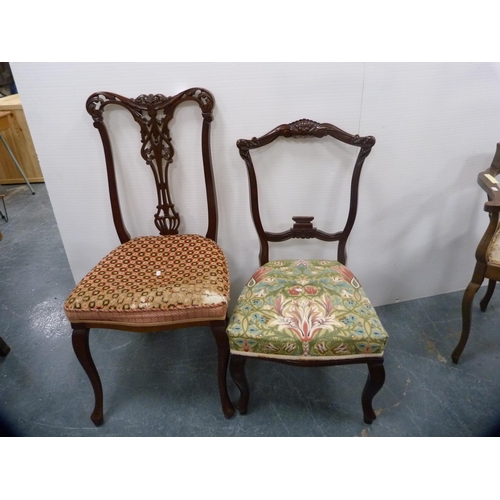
x: 95, y: 107
x: 151, y: 99
x: 205, y: 100
x: 368, y: 141
x: 304, y: 128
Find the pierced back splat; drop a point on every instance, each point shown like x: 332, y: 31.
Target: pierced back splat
x: 153, y: 114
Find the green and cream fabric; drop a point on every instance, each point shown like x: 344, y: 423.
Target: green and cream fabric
x: 305, y: 309
x: 154, y: 280
x: 493, y: 252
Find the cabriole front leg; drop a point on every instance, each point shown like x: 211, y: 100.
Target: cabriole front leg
x: 237, y: 370
x: 374, y: 382
x: 469, y: 294
x: 80, y: 339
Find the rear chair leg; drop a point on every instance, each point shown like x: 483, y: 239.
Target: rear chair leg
x: 489, y: 293
x: 80, y: 339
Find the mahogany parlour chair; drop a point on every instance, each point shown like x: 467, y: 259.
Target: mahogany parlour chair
x: 487, y: 253
x: 306, y: 312
x: 162, y: 282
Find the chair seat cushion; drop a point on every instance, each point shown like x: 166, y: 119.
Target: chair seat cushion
x: 154, y: 281
x: 305, y: 310
x: 493, y: 252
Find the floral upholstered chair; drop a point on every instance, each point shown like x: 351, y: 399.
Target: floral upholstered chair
x: 487, y: 253
x: 307, y: 312
x: 154, y: 283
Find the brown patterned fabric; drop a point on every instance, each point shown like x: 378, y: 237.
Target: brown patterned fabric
x: 154, y: 280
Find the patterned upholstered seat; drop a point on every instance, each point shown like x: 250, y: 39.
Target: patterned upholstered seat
x: 305, y: 309
x: 493, y: 252
x: 154, y: 283
x: 306, y: 312
x: 487, y: 253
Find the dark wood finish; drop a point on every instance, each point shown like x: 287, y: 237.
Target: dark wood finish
x: 219, y: 333
x: 304, y: 229
x: 374, y: 382
x: 80, y: 340
x: 153, y: 114
x: 489, y: 293
x: 4, y: 348
x: 237, y: 370
x: 483, y: 269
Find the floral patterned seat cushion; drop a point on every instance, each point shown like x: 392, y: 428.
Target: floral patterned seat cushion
x: 154, y: 281
x: 296, y: 309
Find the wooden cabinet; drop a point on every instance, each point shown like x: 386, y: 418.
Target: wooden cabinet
x: 19, y: 139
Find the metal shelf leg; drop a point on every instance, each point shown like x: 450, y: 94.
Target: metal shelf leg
x: 17, y: 164
x: 4, y: 213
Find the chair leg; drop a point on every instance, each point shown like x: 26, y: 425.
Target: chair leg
x: 80, y: 339
x: 374, y: 382
x: 237, y: 370
x: 469, y: 294
x: 4, y: 348
x: 489, y: 293
x: 219, y: 332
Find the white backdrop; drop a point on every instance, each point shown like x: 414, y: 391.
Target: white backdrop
x: 420, y: 216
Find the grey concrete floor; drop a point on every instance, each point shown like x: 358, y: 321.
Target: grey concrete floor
x: 164, y: 384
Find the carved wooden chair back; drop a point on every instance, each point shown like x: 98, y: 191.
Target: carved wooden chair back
x: 301, y: 311
x: 303, y: 227
x: 153, y: 114
x: 154, y: 283
x: 487, y: 253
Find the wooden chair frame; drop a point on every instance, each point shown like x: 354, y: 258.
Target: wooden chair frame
x: 303, y: 228
x: 483, y: 268
x: 153, y: 114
